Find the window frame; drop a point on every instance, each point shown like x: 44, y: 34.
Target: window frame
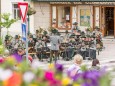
x: 15, y: 16
x: 64, y: 5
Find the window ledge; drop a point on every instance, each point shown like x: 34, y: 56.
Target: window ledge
x: 64, y: 28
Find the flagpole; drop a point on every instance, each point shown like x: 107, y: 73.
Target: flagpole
x: 23, y: 7
x: 27, y: 60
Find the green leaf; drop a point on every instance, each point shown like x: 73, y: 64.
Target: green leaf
x: 31, y: 11
x: 6, y: 20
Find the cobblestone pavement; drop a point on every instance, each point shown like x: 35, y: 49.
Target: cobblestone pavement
x: 106, y: 58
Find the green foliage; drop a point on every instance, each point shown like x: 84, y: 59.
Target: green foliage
x: 2, y: 48
x: 31, y: 11
x: 6, y: 21
x: 45, y: 32
x: 52, y: 29
x: 105, y: 80
x: 1, y: 41
x: 40, y: 30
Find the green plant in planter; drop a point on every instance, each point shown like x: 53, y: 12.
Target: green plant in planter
x: 40, y: 30
x: 31, y: 11
x: 88, y: 29
x: 45, y: 32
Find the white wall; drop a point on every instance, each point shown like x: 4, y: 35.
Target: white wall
x: 97, y: 16
x: 32, y: 20
x: 6, y: 7
x: 91, y: 17
x: 42, y: 16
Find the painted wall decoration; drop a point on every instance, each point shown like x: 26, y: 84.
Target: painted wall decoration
x: 84, y: 17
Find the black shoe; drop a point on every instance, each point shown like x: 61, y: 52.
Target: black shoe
x: 67, y: 59
x: 89, y: 58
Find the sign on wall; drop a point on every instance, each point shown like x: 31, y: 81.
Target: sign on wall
x: 84, y: 17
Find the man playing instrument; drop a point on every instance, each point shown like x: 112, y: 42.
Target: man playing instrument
x: 75, y: 28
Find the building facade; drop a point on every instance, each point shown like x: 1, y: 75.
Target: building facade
x: 11, y: 6
x: 63, y: 13
x: 88, y: 14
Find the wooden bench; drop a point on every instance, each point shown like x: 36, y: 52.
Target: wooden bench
x: 31, y: 53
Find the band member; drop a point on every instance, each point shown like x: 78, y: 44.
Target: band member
x: 38, y: 46
x: 98, y: 36
x: 31, y: 42
x: 7, y: 42
x: 66, y: 37
x: 55, y: 42
x: 16, y: 42
x: 75, y: 27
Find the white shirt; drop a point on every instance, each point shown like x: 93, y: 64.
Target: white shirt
x: 74, y: 69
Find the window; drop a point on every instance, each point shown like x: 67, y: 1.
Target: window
x: 54, y: 16
x: 16, y: 12
x: 61, y: 17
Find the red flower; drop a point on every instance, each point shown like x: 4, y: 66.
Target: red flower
x: 14, y: 80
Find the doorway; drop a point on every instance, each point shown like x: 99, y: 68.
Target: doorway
x: 109, y: 21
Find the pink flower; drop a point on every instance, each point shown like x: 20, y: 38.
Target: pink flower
x: 49, y: 75
x: 1, y: 60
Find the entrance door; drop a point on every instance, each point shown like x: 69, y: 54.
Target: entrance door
x: 109, y: 21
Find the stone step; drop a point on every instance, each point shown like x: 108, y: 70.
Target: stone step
x: 111, y: 40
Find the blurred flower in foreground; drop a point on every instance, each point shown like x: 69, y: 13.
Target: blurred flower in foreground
x: 51, y: 66
x: 35, y: 64
x: 76, y: 85
x: 59, y: 67
x: 1, y: 60
x: 5, y: 74
x: 28, y: 77
x: 66, y: 81
x: 49, y: 75
x: 14, y: 80
x: 33, y: 85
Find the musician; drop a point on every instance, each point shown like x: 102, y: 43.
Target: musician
x: 75, y: 27
x: 38, y: 46
x: 98, y: 36
x: 31, y: 42
x: 45, y: 38
x: 69, y: 48
x: 88, y: 48
x: 7, y: 42
x: 16, y: 42
x: 55, y: 42
x: 93, y: 47
x: 97, y: 32
x: 66, y: 36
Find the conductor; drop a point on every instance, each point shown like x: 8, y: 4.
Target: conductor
x: 55, y: 42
